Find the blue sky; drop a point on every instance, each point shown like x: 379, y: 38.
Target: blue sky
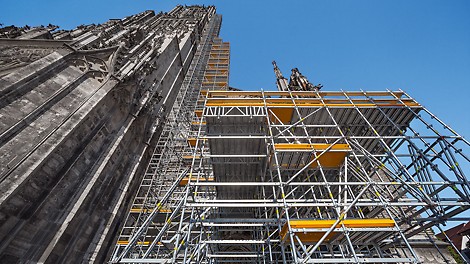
x: 422, y: 47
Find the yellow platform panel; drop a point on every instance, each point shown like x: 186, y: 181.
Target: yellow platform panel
x: 306, y: 237
x: 192, y: 142
x: 198, y: 113
x: 331, y: 159
x: 185, y: 180
x: 283, y: 114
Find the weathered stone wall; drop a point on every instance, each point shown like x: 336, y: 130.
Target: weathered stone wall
x: 74, y: 140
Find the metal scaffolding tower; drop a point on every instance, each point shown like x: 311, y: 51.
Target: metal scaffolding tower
x: 149, y: 224
x: 324, y: 177
x: 293, y: 176
x: 308, y: 177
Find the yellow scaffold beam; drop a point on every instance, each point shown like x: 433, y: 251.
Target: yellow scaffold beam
x: 146, y: 243
x: 144, y: 210
x: 218, y: 84
x: 306, y: 102
x: 195, y: 123
x: 316, y: 147
x: 322, y: 94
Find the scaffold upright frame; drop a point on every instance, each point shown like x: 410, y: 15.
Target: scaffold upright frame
x: 346, y: 169
x: 316, y: 177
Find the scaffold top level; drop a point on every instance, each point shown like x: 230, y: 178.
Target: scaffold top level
x: 321, y: 94
x: 310, y: 99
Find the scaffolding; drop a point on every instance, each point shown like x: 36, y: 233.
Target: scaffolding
x: 322, y: 177
x: 310, y: 177
x: 158, y: 201
x: 293, y: 176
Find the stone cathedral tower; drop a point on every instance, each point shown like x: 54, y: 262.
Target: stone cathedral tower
x: 80, y: 113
